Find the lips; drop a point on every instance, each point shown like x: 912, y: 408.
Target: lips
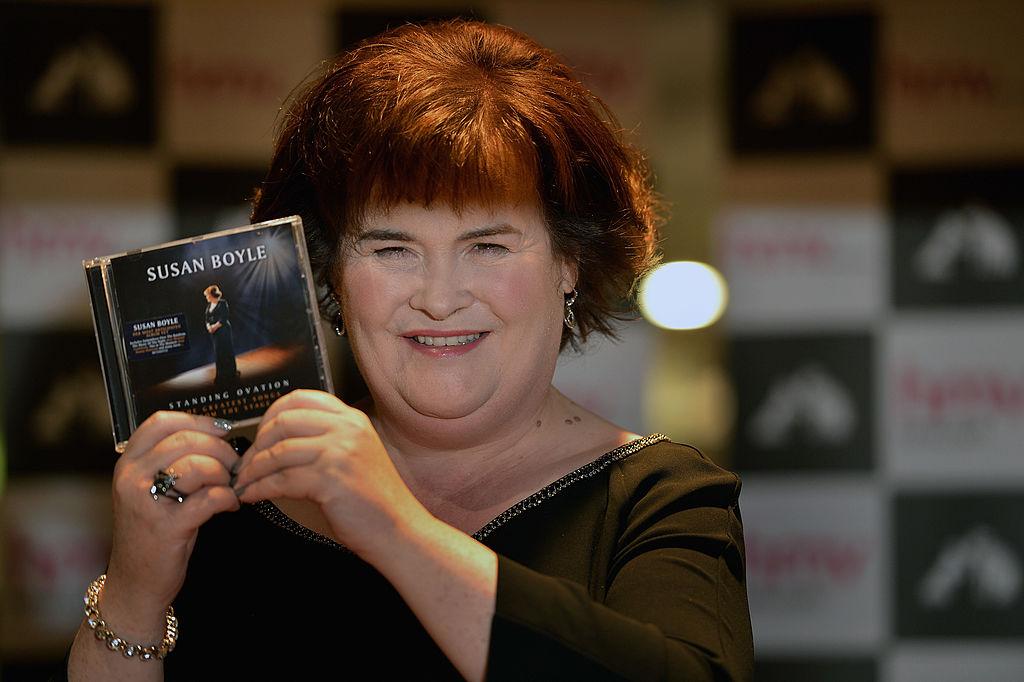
x: 444, y: 344
x: 460, y: 340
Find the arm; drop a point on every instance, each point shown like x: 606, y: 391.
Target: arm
x: 152, y: 539
x: 674, y: 606
x: 673, y: 603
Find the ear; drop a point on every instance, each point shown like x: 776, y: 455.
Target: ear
x: 567, y: 273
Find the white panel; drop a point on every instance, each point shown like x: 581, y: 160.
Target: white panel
x: 955, y: 662
x: 822, y: 267
x: 57, y: 539
x: 231, y: 65
x: 815, y: 564
x: 953, y: 403
x: 42, y: 283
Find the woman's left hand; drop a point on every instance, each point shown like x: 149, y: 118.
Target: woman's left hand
x: 311, y: 445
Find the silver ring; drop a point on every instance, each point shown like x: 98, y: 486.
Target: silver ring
x: 163, y: 485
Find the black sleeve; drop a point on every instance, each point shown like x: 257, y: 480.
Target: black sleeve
x: 220, y: 312
x: 675, y: 607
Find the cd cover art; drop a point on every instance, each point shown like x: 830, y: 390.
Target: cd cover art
x: 220, y: 325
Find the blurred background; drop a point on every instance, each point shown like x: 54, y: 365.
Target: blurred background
x: 854, y: 170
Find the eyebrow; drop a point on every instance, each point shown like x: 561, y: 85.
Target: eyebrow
x: 387, y: 235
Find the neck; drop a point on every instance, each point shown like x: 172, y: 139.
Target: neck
x: 453, y: 454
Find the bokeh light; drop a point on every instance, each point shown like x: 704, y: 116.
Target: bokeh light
x: 683, y: 295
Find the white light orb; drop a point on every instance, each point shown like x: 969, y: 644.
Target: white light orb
x: 683, y: 295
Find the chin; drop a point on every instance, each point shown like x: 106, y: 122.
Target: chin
x: 449, y: 410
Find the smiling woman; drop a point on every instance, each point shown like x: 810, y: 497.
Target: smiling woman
x: 471, y: 211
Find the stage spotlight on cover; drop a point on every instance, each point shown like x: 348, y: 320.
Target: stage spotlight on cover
x: 219, y: 325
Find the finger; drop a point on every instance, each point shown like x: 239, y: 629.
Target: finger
x: 182, y: 443
x: 193, y: 472
x: 161, y: 424
x: 295, y: 482
x: 198, y: 508
x: 303, y: 398
x: 294, y: 423
x: 284, y: 454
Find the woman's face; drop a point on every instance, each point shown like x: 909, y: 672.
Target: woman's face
x: 453, y: 313
x: 209, y: 297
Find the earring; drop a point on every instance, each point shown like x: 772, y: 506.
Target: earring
x: 339, y: 321
x: 570, y: 316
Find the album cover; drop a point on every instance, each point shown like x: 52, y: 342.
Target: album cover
x: 219, y: 325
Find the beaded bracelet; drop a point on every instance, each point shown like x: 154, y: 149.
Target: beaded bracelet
x: 115, y: 643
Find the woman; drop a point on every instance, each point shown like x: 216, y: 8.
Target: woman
x: 218, y: 324
x: 469, y: 213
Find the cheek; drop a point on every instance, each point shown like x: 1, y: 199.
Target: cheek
x: 367, y: 292
x: 522, y: 292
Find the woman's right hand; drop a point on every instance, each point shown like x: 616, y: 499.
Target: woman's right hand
x: 153, y: 539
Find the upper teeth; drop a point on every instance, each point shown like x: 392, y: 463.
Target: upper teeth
x: 447, y: 340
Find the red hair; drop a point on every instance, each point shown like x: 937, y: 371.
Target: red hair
x: 465, y: 112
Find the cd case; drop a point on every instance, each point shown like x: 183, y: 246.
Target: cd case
x: 219, y: 325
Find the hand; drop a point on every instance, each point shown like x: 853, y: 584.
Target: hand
x: 310, y: 445
x: 153, y: 539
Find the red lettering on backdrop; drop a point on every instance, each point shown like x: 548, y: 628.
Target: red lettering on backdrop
x: 944, y: 394
x: 605, y: 73
x: 805, y: 556
x: 226, y: 77
x: 44, y: 237
x: 45, y: 561
x: 942, y: 79
x: 772, y: 249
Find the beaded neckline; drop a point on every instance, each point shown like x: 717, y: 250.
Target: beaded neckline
x: 272, y: 513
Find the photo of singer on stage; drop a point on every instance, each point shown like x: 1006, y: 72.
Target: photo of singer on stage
x: 215, y: 359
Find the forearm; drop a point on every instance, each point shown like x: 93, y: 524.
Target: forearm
x: 90, y: 658
x: 449, y: 581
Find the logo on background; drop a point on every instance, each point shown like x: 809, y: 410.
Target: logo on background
x: 980, y: 563
x: 91, y: 81
x: 957, y: 236
x: 809, y: 401
x: 89, y: 74
x: 975, y: 239
x: 803, y: 401
x: 959, y: 564
x: 803, y: 86
x: 802, y: 82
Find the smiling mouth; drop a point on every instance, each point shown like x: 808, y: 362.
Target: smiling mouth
x: 461, y: 340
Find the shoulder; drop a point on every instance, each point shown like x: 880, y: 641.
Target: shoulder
x: 677, y: 469
x: 675, y: 487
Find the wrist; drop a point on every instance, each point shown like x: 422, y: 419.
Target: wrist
x: 118, y: 638
x: 136, y: 615
x: 405, y: 539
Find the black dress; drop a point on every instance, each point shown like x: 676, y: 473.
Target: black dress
x: 223, y: 344
x: 628, y: 568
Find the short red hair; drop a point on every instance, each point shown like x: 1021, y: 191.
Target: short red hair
x: 465, y: 112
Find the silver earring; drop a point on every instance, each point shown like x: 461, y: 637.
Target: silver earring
x: 570, y: 316
x: 339, y: 321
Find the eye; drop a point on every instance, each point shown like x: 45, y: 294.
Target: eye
x: 390, y: 252
x: 490, y: 249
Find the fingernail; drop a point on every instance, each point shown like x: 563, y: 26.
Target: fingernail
x: 224, y: 425
x: 240, y: 444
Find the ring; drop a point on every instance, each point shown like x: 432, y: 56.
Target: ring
x: 163, y: 484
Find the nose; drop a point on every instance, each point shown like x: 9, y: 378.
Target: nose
x: 441, y: 293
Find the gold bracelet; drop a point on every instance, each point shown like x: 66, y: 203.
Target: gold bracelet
x: 115, y: 643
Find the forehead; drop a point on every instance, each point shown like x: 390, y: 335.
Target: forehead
x: 407, y: 220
